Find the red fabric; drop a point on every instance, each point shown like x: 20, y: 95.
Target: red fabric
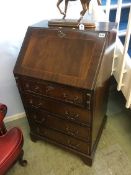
x: 2, y: 126
x: 3, y: 109
x: 1, y: 119
x: 10, y: 147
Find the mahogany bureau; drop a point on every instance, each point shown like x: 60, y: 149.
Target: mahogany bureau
x: 63, y: 78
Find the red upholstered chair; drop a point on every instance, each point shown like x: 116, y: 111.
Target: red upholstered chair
x: 3, y: 111
x: 11, y: 143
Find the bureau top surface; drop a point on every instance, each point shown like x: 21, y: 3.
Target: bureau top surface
x: 62, y: 55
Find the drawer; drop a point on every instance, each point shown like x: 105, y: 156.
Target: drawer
x: 62, y: 139
x: 43, y: 118
x: 59, y: 92
x: 63, y: 110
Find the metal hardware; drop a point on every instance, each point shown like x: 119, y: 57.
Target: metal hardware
x: 72, y: 133
x: 66, y: 98
x: 61, y: 34
x: 27, y: 85
x: 37, y: 106
x: 36, y: 88
x: 72, y: 145
x: 30, y: 101
x: 40, y: 104
x: 39, y: 121
x: 49, y: 88
x: 71, y: 116
x: 76, y: 98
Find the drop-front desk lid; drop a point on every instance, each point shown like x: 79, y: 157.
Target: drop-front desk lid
x: 62, y: 55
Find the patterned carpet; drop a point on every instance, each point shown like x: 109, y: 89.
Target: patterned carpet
x: 113, y: 155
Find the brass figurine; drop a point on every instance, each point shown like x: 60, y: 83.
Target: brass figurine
x: 84, y: 3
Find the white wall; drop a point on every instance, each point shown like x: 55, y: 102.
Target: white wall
x: 15, y: 17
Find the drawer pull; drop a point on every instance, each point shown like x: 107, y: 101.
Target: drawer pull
x: 76, y: 98
x: 39, y: 105
x: 40, y: 121
x: 27, y: 85
x: 71, y: 116
x: 31, y: 101
x: 49, y: 88
x: 72, y: 145
x: 66, y: 98
x: 36, y: 88
x: 70, y: 132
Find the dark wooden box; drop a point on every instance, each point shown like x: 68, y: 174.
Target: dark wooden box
x: 63, y: 79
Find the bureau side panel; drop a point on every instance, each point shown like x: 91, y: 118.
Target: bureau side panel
x: 101, y: 90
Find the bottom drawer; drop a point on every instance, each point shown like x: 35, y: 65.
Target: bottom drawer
x: 62, y: 139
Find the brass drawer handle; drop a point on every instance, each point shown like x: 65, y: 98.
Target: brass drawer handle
x: 39, y: 121
x: 71, y: 116
x: 49, y: 88
x: 27, y: 85
x: 41, y: 131
x: 34, y: 105
x: 70, y: 132
x: 36, y: 88
x: 72, y: 145
x: 76, y: 98
x: 38, y: 105
x: 30, y: 101
x: 67, y: 99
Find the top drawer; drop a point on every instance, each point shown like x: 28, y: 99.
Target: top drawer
x: 58, y: 92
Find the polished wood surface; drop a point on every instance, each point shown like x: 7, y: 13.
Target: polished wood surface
x: 55, y: 91
x: 62, y: 109
x: 78, y: 65
x: 72, y: 23
x: 63, y: 77
x: 46, y: 119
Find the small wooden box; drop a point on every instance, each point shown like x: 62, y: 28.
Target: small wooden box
x: 63, y: 79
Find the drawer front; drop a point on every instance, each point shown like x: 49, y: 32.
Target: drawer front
x: 62, y: 139
x: 43, y: 118
x: 62, y: 93
x: 63, y: 110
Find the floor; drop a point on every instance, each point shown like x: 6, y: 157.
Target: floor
x: 113, y: 155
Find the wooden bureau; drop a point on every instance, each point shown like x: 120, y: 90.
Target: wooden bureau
x: 63, y: 78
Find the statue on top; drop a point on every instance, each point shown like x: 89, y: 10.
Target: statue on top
x: 84, y: 3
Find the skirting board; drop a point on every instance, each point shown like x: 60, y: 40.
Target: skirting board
x: 14, y: 117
